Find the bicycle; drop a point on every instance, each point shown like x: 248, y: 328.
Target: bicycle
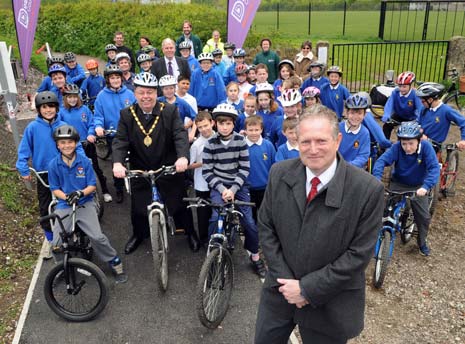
x: 216, y: 278
x: 398, y: 218
x: 75, y: 289
x: 380, y: 93
x: 159, y: 221
x: 449, y: 167
x: 102, y: 145
x: 453, y: 96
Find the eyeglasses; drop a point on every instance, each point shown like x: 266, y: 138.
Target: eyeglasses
x: 306, y: 48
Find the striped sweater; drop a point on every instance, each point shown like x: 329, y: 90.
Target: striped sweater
x: 226, y: 166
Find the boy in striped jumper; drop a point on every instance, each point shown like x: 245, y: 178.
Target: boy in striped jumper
x: 226, y: 167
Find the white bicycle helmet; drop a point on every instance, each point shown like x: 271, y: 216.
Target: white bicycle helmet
x: 146, y: 80
x: 290, y: 97
x: 143, y: 57
x: 225, y: 110
x: 167, y: 80
x: 122, y: 55
x: 205, y: 56
x: 263, y: 87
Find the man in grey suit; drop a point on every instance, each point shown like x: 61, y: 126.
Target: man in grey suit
x: 318, y: 225
x: 170, y: 64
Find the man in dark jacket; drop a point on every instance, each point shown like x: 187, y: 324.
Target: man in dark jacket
x: 155, y: 136
x: 187, y: 35
x: 118, y: 38
x: 317, y: 225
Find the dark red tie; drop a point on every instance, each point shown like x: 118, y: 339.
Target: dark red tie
x: 314, y: 190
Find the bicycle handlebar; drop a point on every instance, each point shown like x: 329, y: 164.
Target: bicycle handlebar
x: 165, y: 170
x: 408, y: 194
x: 37, y: 174
x: 200, y: 202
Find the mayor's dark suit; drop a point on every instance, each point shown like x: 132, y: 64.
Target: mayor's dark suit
x: 326, y: 244
x: 159, y: 68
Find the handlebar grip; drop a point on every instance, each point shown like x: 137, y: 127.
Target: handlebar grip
x: 48, y: 217
x: 250, y: 204
x: 191, y: 199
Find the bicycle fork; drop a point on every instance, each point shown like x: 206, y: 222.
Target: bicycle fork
x: 155, y: 209
x: 381, y: 236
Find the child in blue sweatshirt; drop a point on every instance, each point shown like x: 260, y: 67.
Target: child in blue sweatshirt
x: 110, y: 101
x: 206, y: 84
x: 72, y: 181
x: 403, y: 105
x: 334, y: 94
x: 82, y: 119
x: 436, y: 117
x: 38, y: 145
x: 262, y: 156
x: 316, y: 78
x: 74, y: 70
x: 416, y: 169
x: 355, y: 143
x: 93, y: 84
x: 289, y: 149
x: 185, y: 51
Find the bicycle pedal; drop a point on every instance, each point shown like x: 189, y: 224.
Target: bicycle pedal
x: 179, y: 231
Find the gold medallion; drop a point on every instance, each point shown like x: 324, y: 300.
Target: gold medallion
x: 147, y: 141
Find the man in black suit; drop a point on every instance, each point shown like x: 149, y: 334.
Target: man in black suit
x: 317, y: 226
x: 170, y: 64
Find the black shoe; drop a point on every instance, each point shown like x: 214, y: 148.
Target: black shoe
x: 119, y: 196
x: 194, y: 243
x: 259, y: 267
x: 132, y: 244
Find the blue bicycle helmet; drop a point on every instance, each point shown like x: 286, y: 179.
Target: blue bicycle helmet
x: 409, y: 130
x: 357, y: 101
x: 56, y: 68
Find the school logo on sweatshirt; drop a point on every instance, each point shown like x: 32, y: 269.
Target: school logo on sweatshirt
x: 80, y: 172
x: 211, y: 81
x: 419, y: 161
x: 127, y: 102
x: 356, y: 144
x: 83, y: 117
x: 410, y: 103
x: 436, y: 119
x: 265, y: 157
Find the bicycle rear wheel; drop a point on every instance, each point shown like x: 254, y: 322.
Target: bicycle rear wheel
x: 450, y: 174
x: 158, y: 239
x: 408, y: 225
x: 98, y: 199
x: 382, y: 259
x: 84, y: 298
x: 433, y: 198
x: 103, y: 149
x: 457, y: 101
x: 214, y: 287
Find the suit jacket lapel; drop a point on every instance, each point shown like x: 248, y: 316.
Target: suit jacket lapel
x: 295, y: 178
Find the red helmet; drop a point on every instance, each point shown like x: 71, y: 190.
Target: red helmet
x: 91, y: 64
x: 405, y: 78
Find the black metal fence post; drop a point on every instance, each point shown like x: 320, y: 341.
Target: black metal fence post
x: 382, y: 20
x: 425, y: 23
x: 277, y: 16
x: 309, y: 15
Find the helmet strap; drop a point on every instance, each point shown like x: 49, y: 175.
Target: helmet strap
x: 68, y: 159
x: 225, y: 138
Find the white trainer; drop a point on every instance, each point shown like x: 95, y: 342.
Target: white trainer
x: 107, y: 198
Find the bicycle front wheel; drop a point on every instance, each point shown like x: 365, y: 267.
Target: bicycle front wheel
x: 103, y: 149
x: 85, y: 296
x: 407, y: 225
x: 450, y: 174
x: 457, y: 101
x: 382, y: 259
x: 158, y: 239
x: 214, y: 287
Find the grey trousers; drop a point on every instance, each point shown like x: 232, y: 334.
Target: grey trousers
x: 87, y: 219
x: 420, y: 210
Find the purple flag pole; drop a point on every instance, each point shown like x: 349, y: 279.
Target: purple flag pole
x: 26, y: 13
x: 240, y: 16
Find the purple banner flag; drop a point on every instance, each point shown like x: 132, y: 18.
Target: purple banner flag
x: 26, y: 13
x: 240, y: 16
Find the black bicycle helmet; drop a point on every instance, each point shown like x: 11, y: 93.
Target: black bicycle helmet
x: 430, y: 90
x: 66, y: 132
x: 112, y: 69
x: 217, y: 52
x: 46, y: 97
x: 55, y: 60
x: 69, y: 57
x: 409, y: 130
x: 229, y: 45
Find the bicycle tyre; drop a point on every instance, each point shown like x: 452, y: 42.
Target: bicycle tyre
x: 408, y: 225
x: 457, y: 102
x: 159, y: 252
x: 382, y: 260
x: 377, y: 110
x: 433, y: 198
x: 88, y: 279
x: 98, y: 199
x: 450, y: 175
x: 103, y: 149
x: 214, y: 287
